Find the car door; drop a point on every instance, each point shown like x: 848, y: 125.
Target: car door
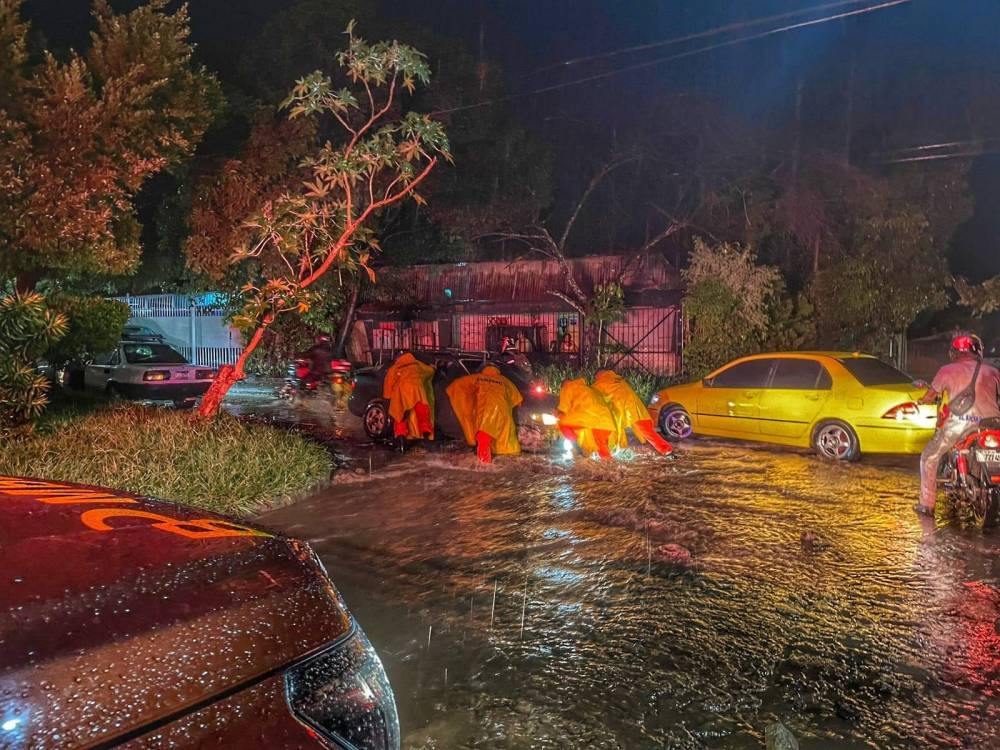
x: 798, y: 390
x: 98, y: 373
x: 729, y: 403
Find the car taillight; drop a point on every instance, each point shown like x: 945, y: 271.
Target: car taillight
x: 156, y: 375
x: 344, y: 695
x: 205, y: 374
x: 902, y: 411
x: 989, y: 440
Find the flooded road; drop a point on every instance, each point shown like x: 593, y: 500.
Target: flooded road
x: 548, y: 603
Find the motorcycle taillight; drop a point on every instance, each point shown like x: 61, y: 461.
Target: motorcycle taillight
x: 301, y: 372
x: 990, y: 440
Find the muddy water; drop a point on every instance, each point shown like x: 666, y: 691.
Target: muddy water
x: 556, y: 604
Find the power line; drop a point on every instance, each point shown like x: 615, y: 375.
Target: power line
x: 940, y: 157
x: 678, y: 56
x: 690, y: 37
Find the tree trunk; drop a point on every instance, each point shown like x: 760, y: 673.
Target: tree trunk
x: 348, y: 322
x: 229, y: 374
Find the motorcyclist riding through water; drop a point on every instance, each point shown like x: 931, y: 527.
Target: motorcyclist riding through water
x: 318, y: 356
x: 968, y: 390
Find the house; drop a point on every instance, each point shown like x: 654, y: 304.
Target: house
x: 474, y: 306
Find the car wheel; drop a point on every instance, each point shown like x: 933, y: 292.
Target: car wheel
x: 835, y: 440
x: 675, y: 423
x: 377, y: 420
x: 112, y: 392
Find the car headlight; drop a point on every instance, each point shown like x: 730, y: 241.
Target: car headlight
x: 655, y: 399
x: 344, y: 695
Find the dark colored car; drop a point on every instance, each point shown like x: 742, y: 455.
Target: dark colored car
x: 138, y: 623
x: 535, y: 414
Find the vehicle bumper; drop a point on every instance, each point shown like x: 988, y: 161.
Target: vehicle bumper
x: 163, y: 392
x: 893, y: 438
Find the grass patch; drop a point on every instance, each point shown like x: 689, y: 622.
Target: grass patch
x: 225, y: 466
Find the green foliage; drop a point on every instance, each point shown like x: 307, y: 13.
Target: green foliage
x: 225, y: 466
x: 27, y: 329
x: 605, y: 306
x: 983, y: 298
x: 891, y: 274
x: 79, y: 138
x: 730, y: 305
x: 94, y: 326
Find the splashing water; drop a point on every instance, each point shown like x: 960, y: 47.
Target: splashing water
x: 683, y: 604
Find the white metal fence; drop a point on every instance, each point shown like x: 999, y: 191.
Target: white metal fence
x: 212, y: 356
x: 168, y: 306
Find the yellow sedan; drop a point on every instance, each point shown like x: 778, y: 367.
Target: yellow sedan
x: 838, y: 403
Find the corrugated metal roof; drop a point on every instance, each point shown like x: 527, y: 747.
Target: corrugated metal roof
x: 527, y: 281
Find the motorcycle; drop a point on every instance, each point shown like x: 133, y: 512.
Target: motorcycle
x: 301, y: 381
x: 971, y: 473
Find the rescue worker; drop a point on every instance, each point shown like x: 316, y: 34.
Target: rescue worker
x: 966, y: 354
x: 408, y: 389
x: 484, y: 404
x: 586, y: 419
x: 629, y: 412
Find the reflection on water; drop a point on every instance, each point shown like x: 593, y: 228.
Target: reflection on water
x: 684, y: 604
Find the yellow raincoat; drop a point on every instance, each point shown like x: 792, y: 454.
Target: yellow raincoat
x: 584, y: 409
x: 485, y: 402
x: 408, y: 383
x: 626, y: 407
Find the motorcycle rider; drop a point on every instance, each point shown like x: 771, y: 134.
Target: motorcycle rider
x: 318, y: 356
x: 966, y: 353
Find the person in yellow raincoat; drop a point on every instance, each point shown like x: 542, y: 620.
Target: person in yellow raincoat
x: 408, y: 389
x: 484, y: 404
x: 629, y: 412
x: 586, y: 419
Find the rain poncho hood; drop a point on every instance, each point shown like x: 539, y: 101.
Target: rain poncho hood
x: 585, y: 410
x: 626, y: 407
x: 485, y: 402
x: 408, y: 383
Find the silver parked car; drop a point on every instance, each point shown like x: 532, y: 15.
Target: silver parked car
x: 148, y: 370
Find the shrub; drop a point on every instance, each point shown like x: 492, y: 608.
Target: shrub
x: 94, y: 326
x: 27, y: 329
x: 225, y: 465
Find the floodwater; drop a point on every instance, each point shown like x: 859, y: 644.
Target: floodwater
x: 552, y: 603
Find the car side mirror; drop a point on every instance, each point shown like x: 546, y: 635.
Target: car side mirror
x: 707, y: 382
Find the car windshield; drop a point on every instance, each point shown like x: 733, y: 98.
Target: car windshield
x: 870, y: 371
x: 152, y: 354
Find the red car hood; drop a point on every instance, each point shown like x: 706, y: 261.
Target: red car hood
x: 122, y: 611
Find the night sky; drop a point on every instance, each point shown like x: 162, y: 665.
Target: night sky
x: 903, y: 58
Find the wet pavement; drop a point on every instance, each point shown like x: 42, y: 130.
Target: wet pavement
x: 553, y: 603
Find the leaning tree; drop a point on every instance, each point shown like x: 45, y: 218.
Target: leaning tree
x: 368, y: 155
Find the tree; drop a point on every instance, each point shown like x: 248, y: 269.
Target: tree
x: 606, y: 305
x: 297, y: 239
x: 27, y: 329
x: 892, y: 272
x: 78, y: 138
x: 503, y: 182
x: 728, y: 305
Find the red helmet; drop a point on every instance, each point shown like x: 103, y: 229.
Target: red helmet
x: 967, y: 343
